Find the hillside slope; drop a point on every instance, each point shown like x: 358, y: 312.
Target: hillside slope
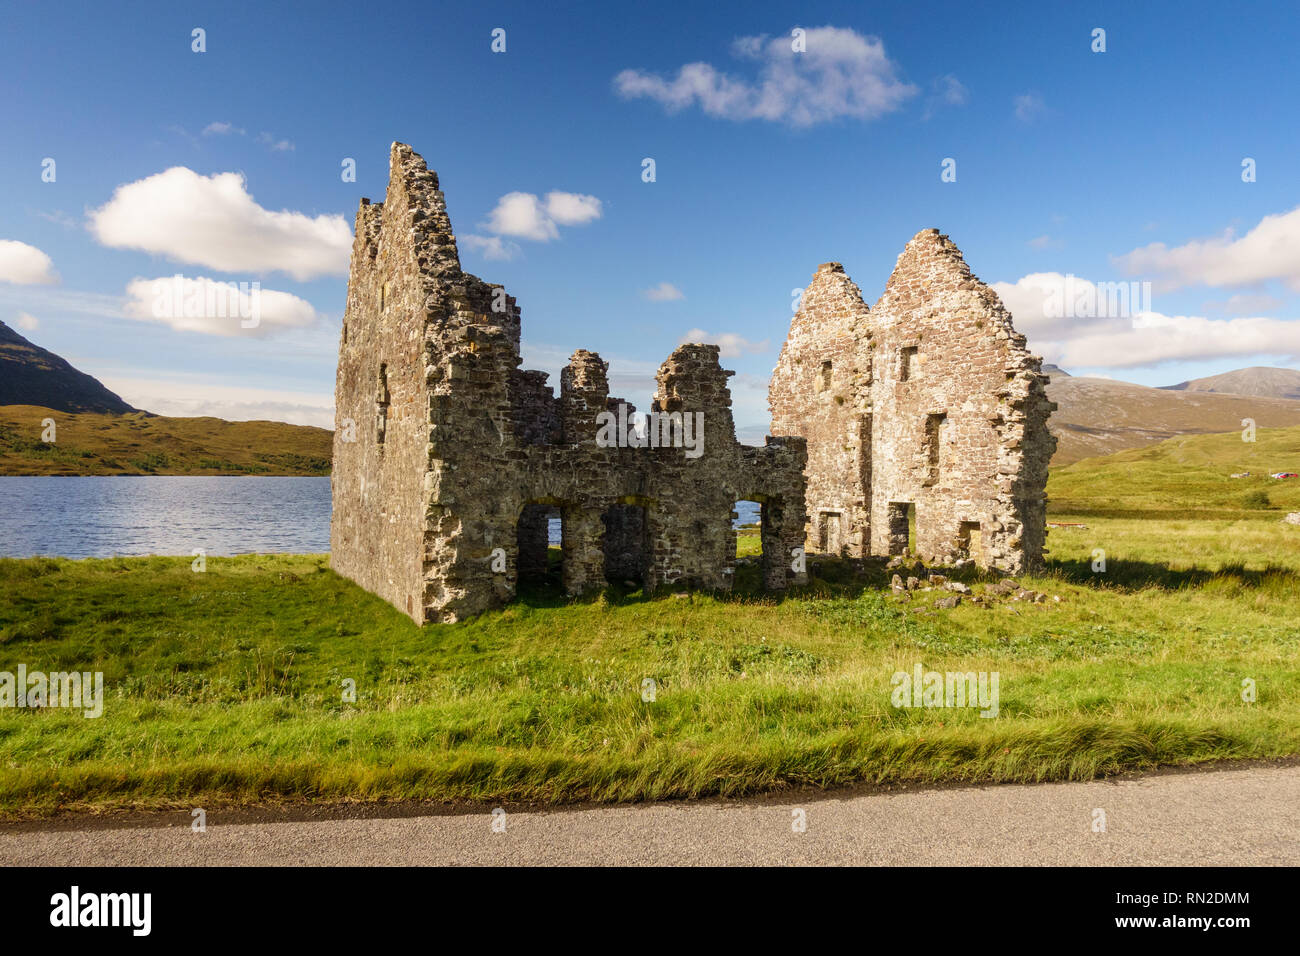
x: 31, y: 375
x: 1185, y: 477
x: 1257, y: 380
x: 90, y: 443
x: 1099, y: 416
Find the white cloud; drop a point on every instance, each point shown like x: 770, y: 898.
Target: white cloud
x: 1271, y: 250
x: 1101, y: 336
x: 730, y: 345
x: 526, y: 216
x: 215, y: 308
x: 951, y: 91
x: 1044, y: 242
x: 213, y: 221
x: 491, y: 247
x: 1244, y: 303
x: 521, y: 214
x: 1029, y: 106
x: 572, y: 209
x: 663, y: 292
x: 59, y: 218
x: 945, y: 90
x: 22, y: 264
x: 266, y: 139
x: 27, y: 322
x: 221, y: 129
x: 232, y: 402
x: 276, y: 145
x: 842, y: 73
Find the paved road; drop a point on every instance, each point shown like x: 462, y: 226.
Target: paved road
x: 1242, y: 816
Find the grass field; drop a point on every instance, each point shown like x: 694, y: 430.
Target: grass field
x: 226, y: 686
x: 90, y: 443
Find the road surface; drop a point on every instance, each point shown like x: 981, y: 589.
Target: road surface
x: 1242, y: 816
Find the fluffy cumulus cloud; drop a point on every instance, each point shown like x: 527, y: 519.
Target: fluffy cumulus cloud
x: 839, y: 74
x: 205, y: 305
x: 1271, y: 250
x: 22, y: 264
x: 1077, y: 323
x: 730, y: 345
x: 213, y: 221
x: 663, y: 292
x: 525, y: 216
x: 528, y: 216
x: 28, y: 322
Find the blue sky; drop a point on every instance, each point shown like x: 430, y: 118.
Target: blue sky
x: 1123, y: 165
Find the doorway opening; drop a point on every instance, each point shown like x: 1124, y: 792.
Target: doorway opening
x: 627, y: 542
x: 540, y: 562
x: 902, y: 527
x: 970, y: 541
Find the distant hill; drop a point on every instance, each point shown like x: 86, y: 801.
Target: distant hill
x: 1100, y: 416
x: 1259, y: 380
x: 31, y: 375
x: 1054, y: 370
x: 1188, y: 476
x: 96, y: 433
x: 92, y: 443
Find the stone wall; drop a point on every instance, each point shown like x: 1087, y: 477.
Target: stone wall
x: 932, y: 414
x: 441, y: 502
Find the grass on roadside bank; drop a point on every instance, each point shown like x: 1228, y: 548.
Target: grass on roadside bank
x: 226, y: 687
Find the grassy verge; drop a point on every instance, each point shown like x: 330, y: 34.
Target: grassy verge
x: 226, y: 687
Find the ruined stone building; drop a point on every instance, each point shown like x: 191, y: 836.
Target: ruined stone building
x: 449, y: 459
x: 925, y: 415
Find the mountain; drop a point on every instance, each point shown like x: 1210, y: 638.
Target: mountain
x: 1054, y: 370
x: 31, y: 375
x: 1259, y: 380
x: 96, y: 433
x: 1100, y: 416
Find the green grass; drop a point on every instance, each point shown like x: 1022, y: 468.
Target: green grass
x: 225, y: 687
x: 89, y: 443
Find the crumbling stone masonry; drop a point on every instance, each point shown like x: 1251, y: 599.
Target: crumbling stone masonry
x: 449, y: 459
x: 925, y: 416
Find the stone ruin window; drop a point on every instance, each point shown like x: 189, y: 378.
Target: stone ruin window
x: 970, y: 542
x: 908, y: 365
x: 824, y: 381
x: 830, y: 534
x: 934, y: 435
x: 381, y: 404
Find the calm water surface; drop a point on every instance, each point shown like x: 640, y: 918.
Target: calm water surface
x: 99, y: 517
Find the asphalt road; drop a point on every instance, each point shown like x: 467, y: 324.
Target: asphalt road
x: 1241, y: 816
